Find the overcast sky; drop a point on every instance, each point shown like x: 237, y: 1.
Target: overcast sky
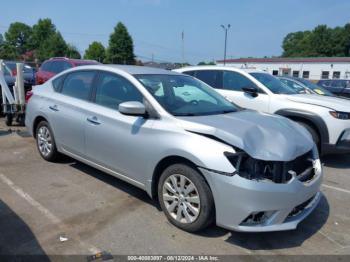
x: 257, y: 26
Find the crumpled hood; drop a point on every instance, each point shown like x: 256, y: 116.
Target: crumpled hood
x: 335, y: 103
x: 262, y: 136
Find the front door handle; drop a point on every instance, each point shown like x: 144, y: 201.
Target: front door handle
x: 54, y: 108
x: 93, y: 120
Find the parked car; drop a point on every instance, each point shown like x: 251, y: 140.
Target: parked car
x: 201, y: 156
x: 55, y: 65
x: 326, y: 118
x: 338, y: 87
x: 28, y: 73
x: 303, y: 86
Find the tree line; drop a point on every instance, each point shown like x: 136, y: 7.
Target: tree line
x: 42, y: 41
x: 322, y: 41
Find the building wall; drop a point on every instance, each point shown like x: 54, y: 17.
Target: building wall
x: 315, y: 69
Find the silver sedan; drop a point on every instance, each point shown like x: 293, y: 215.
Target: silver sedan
x: 203, y: 158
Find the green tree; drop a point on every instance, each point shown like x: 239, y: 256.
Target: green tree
x: 95, y: 51
x: 42, y: 30
x: 121, y: 47
x: 321, y: 41
x: 1, y: 39
x: 52, y: 47
x: 72, y: 52
x: 206, y: 63
x: 297, y: 44
x: 18, y: 35
x: 8, y: 51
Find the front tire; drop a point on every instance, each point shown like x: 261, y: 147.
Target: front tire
x: 186, y: 198
x: 46, y: 142
x: 314, y: 134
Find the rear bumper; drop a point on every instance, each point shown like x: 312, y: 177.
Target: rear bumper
x: 284, y: 205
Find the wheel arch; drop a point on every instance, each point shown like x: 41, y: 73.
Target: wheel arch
x: 315, y: 121
x: 163, y: 164
x: 36, y: 122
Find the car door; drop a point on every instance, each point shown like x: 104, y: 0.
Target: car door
x: 232, y: 88
x: 69, y: 110
x: 114, y: 140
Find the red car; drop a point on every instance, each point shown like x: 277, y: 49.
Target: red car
x: 56, y: 65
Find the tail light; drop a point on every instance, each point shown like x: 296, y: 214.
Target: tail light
x: 29, y: 94
x: 14, y: 72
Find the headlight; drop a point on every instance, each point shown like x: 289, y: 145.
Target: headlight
x: 340, y: 115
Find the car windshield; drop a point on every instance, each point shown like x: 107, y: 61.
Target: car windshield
x: 185, y: 96
x: 273, y: 84
x: 317, y: 89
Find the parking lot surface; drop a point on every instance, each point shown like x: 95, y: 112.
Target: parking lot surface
x: 70, y: 208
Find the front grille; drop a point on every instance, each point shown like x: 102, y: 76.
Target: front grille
x: 276, y: 171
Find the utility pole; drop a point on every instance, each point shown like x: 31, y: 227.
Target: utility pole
x: 226, y: 28
x: 183, y: 47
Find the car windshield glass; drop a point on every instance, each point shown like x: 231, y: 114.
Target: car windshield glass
x: 185, y: 96
x: 317, y: 89
x: 272, y: 83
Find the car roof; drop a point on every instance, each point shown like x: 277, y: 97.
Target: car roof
x: 140, y: 70
x: 129, y: 69
x: 215, y: 67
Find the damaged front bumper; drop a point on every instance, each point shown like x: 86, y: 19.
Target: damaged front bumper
x: 259, y: 206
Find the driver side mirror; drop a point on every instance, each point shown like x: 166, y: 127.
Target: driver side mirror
x: 251, y: 90
x: 132, y: 108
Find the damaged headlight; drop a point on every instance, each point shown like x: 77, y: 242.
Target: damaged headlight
x: 273, y: 171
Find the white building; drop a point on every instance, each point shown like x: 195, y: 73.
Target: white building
x: 310, y: 68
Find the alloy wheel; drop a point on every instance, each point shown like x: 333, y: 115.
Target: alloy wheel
x: 181, y: 198
x: 44, y: 141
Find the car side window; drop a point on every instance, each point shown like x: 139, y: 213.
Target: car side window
x: 236, y: 82
x: 190, y: 73
x: 210, y: 77
x: 113, y: 90
x: 46, y: 66
x: 57, y: 67
x: 78, y: 84
x: 57, y: 83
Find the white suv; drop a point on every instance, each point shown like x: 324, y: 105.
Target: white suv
x: 326, y: 118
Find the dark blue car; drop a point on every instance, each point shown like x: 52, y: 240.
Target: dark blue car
x: 339, y: 87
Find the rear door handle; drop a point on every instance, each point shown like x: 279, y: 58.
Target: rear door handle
x: 54, y: 108
x: 93, y: 120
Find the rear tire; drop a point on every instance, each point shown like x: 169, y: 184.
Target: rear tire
x: 45, y: 142
x: 186, y: 198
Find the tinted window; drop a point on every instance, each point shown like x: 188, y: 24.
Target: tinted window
x: 210, y: 77
x: 57, y: 83
x: 272, y: 83
x: 319, y: 90
x: 113, y: 90
x: 236, y: 81
x: 78, y: 84
x: 297, y: 87
x: 59, y: 66
x: 185, y: 96
x: 275, y: 72
x: 46, y: 66
x: 190, y: 73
